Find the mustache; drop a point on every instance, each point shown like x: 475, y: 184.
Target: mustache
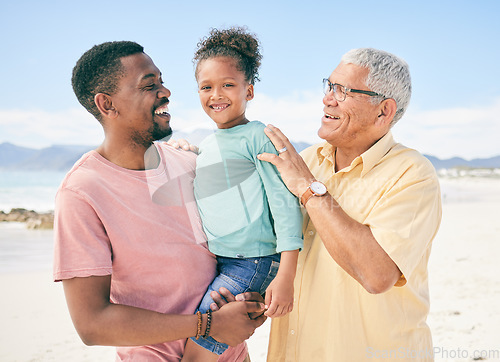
x: 163, y: 102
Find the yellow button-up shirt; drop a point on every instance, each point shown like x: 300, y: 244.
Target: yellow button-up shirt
x: 395, y: 191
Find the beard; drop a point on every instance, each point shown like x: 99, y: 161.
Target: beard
x: 154, y: 133
x: 161, y: 134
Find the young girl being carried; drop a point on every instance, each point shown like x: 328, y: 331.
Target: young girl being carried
x: 252, y: 222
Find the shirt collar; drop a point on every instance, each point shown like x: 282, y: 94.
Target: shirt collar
x: 375, y: 153
x: 325, y: 151
x: 369, y: 158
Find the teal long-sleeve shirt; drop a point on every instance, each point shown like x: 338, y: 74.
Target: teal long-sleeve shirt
x: 245, y: 208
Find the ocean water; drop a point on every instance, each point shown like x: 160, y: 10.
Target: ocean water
x: 25, y: 250
x: 28, y: 189
x: 21, y: 249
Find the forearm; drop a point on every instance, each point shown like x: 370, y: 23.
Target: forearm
x: 288, y: 264
x: 99, y: 322
x: 352, y: 245
x: 279, y: 294
x: 120, y: 325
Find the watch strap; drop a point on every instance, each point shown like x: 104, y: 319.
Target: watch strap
x: 306, y: 196
x: 310, y: 193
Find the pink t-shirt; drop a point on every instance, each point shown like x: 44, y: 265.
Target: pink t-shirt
x: 143, y: 228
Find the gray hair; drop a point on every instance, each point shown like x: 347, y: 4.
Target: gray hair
x: 387, y: 75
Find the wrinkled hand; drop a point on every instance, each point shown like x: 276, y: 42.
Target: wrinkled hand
x: 232, y: 325
x: 184, y: 144
x: 294, y: 171
x: 279, y: 297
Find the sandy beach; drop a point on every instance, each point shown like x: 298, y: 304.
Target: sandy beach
x: 464, y: 272
x: 464, y: 285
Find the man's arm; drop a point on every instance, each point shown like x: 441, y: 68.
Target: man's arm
x: 350, y: 243
x: 100, y: 322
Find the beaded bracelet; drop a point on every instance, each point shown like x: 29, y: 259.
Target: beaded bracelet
x: 198, y: 329
x: 209, y: 322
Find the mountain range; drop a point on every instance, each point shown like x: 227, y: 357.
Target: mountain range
x: 62, y: 157
x: 54, y: 158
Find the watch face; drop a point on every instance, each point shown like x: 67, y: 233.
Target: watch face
x: 318, y: 188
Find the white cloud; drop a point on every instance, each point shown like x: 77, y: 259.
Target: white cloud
x: 470, y: 132
x: 37, y: 128
x: 298, y: 115
x: 466, y: 132
x: 188, y: 119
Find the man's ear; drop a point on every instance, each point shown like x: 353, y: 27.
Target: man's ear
x: 250, y: 93
x: 387, y: 111
x: 105, y: 105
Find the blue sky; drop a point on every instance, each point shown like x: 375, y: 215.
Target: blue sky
x: 451, y: 47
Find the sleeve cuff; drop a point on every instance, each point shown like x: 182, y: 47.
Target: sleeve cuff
x: 290, y: 243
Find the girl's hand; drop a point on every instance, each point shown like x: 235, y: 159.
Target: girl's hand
x: 279, y: 297
x: 184, y: 144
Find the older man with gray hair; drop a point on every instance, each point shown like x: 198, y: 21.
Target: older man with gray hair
x: 373, y: 208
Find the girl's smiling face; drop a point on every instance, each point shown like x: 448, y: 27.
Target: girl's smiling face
x: 224, y: 91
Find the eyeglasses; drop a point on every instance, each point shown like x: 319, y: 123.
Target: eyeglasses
x: 340, y: 91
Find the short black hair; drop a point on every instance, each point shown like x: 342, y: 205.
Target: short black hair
x: 236, y: 43
x: 98, y: 71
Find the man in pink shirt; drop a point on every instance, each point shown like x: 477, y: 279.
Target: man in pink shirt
x: 129, y: 247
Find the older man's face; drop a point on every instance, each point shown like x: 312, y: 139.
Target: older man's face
x: 350, y: 123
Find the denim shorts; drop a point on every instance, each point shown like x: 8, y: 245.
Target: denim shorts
x: 238, y: 276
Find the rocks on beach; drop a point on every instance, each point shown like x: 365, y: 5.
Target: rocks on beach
x: 33, y: 219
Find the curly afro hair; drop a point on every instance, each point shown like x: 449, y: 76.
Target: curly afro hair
x: 236, y: 43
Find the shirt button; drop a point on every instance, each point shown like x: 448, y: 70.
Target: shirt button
x: 292, y: 332
x: 311, y: 233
